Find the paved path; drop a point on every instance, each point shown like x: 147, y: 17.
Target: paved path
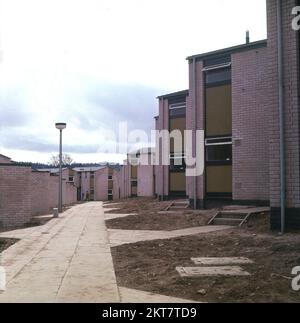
x: 66, y: 260
x: 69, y: 260
x: 118, y: 237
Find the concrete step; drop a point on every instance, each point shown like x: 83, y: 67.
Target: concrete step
x: 227, y: 221
x: 177, y: 207
x: 231, y: 215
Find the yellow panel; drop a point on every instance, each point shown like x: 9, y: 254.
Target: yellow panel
x: 178, y: 124
x: 219, y: 179
x: 110, y: 171
x: 177, y: 182
x: 218, y: 111
x: 133, y: 171
x: 110, y: 185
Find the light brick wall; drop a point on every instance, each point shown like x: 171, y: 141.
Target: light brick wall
x: 40, y: 194
x: 117, y: 183
x: 44, y: 192
x: 5, y: 160
x: 291, y: 106
x: 250, y: 125
x: 24, y: 193
x: 15, y: 197
x: 101, y: 184
x: 191, y: 123
x: 145, y: 180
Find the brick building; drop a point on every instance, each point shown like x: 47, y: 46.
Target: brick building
x: 5, y: 159
x: 289, y: 55
x: 137, y: 176
x: 226, y: 99
x: 97, y: 183
x: 235, y: 97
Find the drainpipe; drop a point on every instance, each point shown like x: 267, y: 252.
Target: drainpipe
x: 162, y: 159
x: 281, y: 114
x: 195, y: 126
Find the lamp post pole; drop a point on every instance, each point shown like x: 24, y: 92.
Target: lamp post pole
x: 60, y: 127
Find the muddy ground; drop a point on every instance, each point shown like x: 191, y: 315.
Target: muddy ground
x: 150, y: 266
x: 6, y: 243
x: 148, y: 218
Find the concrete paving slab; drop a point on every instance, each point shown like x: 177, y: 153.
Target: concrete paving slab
x: 208, y: 261
x: 139, y: 297
x: 110, y: 216
x: 71, y: 263
x: 211, y: 271
x: 120, y: 237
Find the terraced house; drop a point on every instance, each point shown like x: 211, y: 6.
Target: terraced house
x: 246, y: 100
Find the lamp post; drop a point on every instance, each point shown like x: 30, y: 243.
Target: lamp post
x: 60, y: 126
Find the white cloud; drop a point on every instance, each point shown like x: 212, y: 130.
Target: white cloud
x: 83, y: 61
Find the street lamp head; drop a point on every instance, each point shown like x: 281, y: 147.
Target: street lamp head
x: 60, y: 125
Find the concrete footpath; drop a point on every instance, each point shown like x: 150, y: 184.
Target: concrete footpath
x: 68, y: 259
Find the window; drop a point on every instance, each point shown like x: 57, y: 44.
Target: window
x: 217, y: 60
x: 177, y: 162
x: 134, y: 183
x: 218, y: 76
x: 110, y: 192
x: 177, y: 110
x: 110, y: 177
x: 219, y: 150
x: 71, y: 178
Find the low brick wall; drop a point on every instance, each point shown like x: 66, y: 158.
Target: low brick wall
x: 25, y: 193
x: 15, y: 197
x: 44, y: 193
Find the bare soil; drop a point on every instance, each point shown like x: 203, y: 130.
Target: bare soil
x: 150, y: 266
x: 6, y: 243
x: 147, y: 217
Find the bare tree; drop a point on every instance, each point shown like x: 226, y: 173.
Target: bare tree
x: 67, y: 160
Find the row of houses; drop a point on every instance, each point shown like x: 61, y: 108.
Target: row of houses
x: 246, y: 101
x: 26, y: 192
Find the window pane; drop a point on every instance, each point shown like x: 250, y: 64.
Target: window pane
x: 177, y: 112
x: 216, y: 76
x: 219, y: 153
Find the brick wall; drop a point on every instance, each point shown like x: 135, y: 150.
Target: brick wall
x: 40, y: 193
x: 101, y: 184
x: 162, y: 172
x: 250, y: 125
x: 145, y: 180
x: 4, y: 160
x: 15, y: 198
x: 191, y: 123
x: 291, y: 103
x: 24, y: 193
x: 44, y: 192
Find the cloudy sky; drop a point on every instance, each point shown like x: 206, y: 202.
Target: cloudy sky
x: 95, y: 63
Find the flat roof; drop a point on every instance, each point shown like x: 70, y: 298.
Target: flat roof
x: 88, y: 169
x: 230, y: 50
x: 5, y: 156
x: 170, y: 95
